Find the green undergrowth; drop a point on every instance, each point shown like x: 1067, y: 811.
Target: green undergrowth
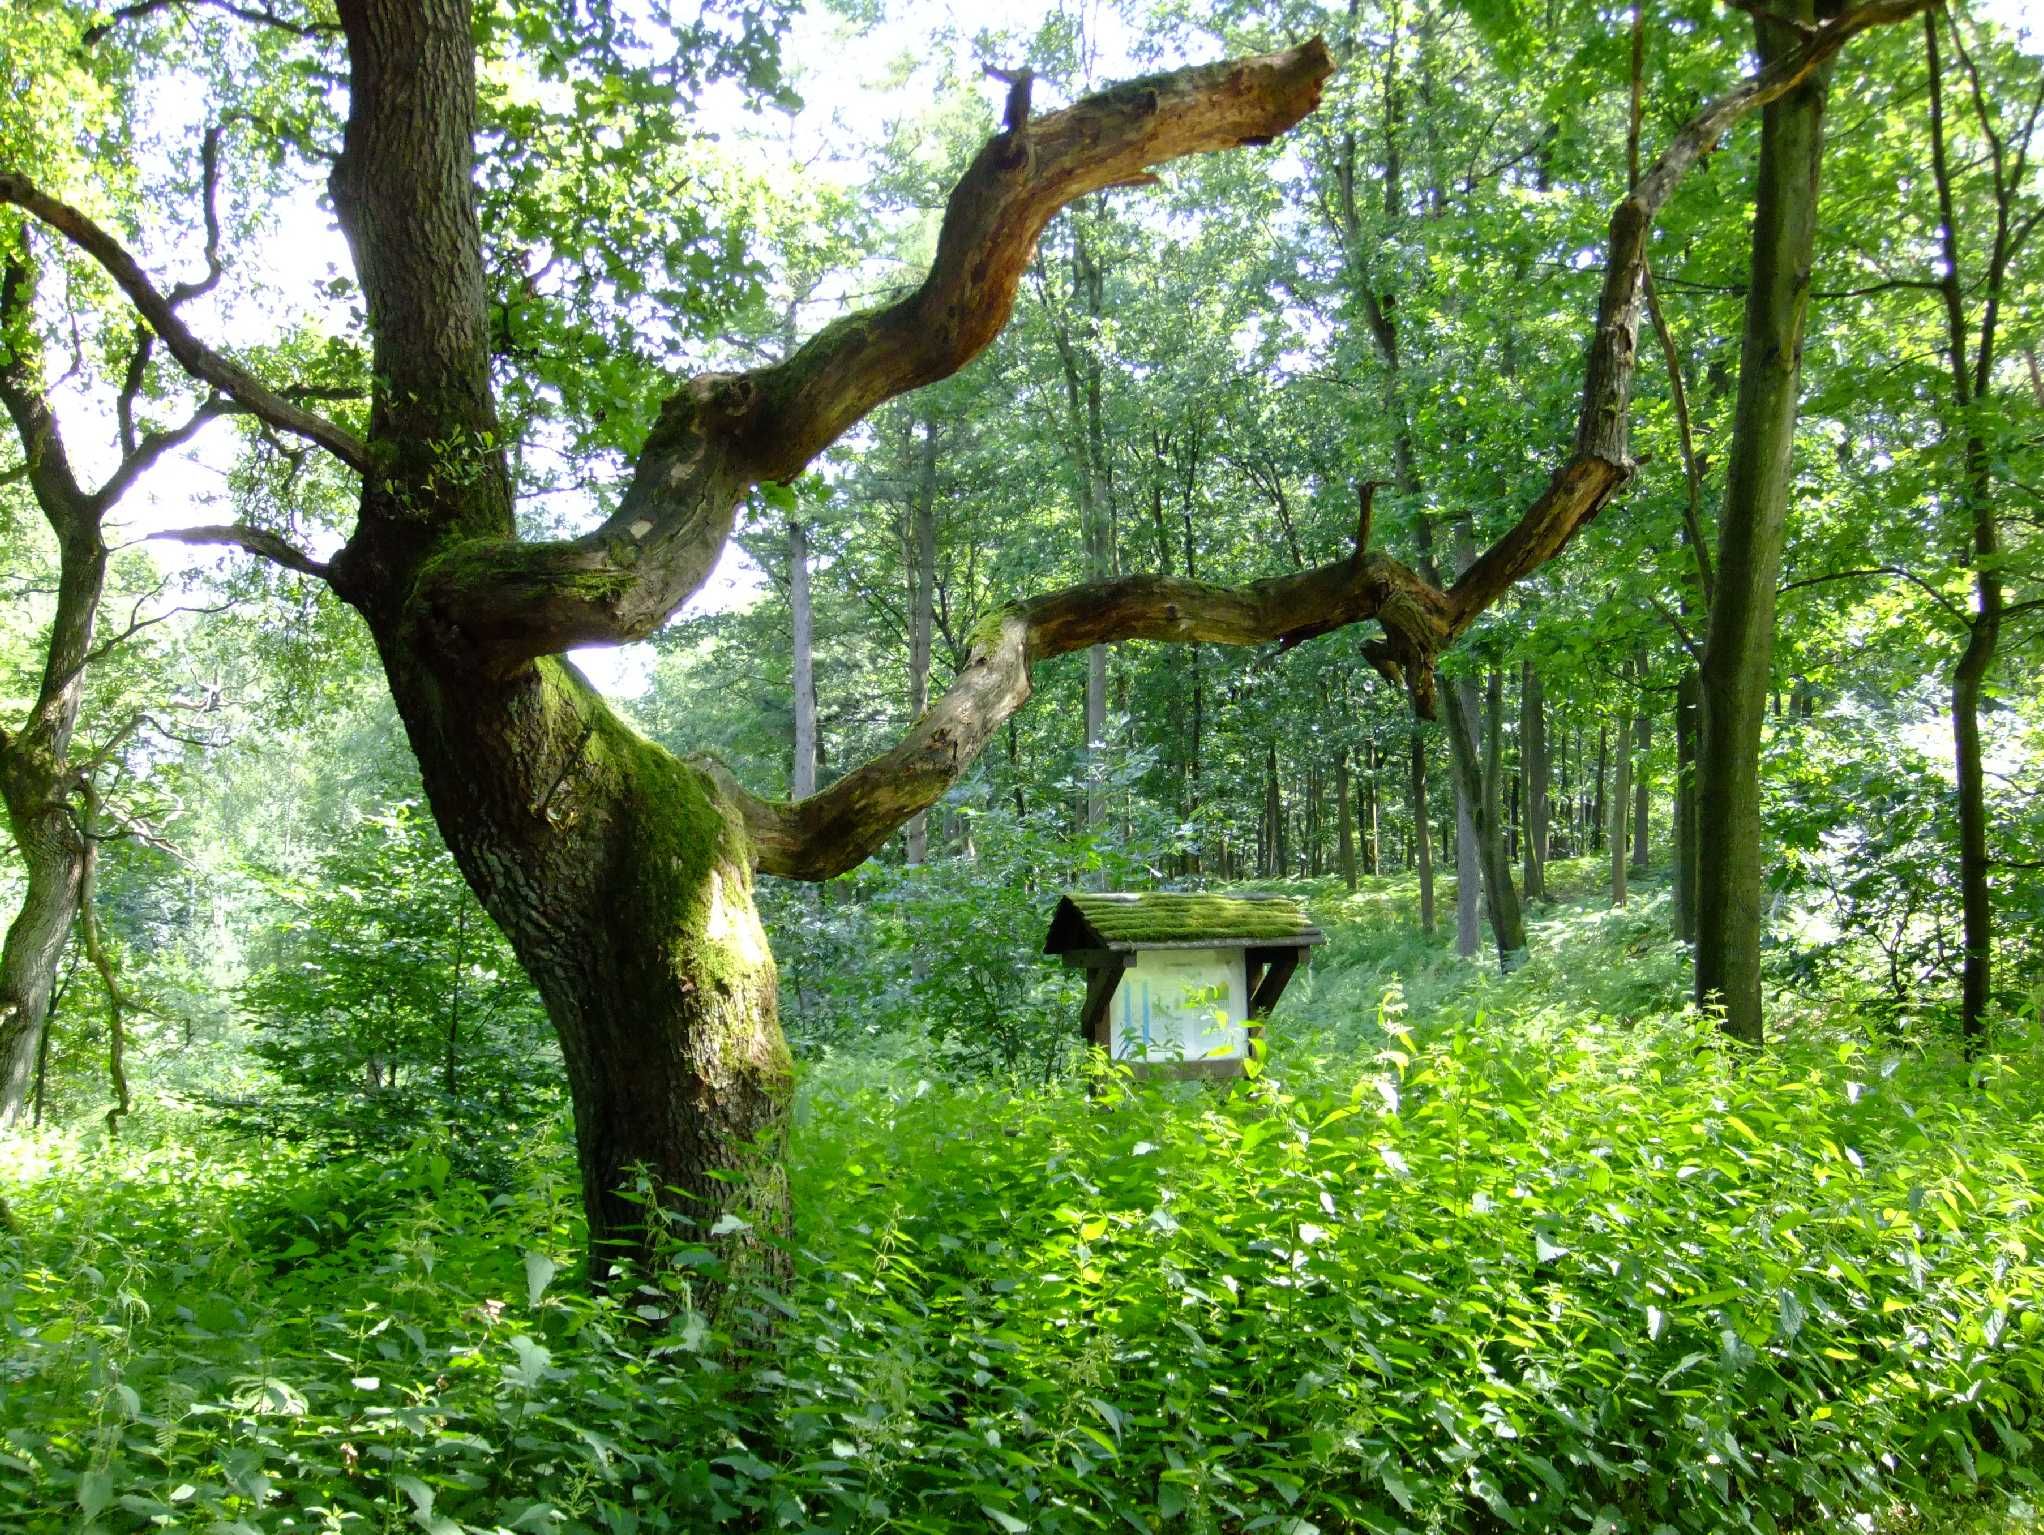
x: 1473, y: 1255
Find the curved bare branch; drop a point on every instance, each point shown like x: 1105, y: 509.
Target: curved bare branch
x: 260, y: 541
x: 505, y: 602
x: 832, y: 831
x: 158, y: 311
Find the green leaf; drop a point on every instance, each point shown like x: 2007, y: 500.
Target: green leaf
x: 95, y: 1491
x: 539, y: 1273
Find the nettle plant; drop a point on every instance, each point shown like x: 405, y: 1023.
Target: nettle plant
x: 621, y: 875
x: 389, y: 994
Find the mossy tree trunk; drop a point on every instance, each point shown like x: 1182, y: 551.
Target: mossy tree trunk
x: 623, y: 880
x: 622, y: 876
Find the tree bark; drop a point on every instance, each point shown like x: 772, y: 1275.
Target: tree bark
x: 1533, y: 779
x: 1739, y: 643
x: 922, y: 551
x: 1422, y: 832
x: 1688, y: 825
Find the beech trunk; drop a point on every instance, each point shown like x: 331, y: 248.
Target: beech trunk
x: 1422, y: 833
x: 1533, y: 780
x: 1739, y: 643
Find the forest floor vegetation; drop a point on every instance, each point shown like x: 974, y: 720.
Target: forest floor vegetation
x: 1473, y: 1254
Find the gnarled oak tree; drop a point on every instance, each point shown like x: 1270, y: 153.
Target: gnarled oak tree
x: 622, y: 875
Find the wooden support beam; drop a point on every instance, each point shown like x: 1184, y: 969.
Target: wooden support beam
x: 1100, y: 986
x: 1263, y: 997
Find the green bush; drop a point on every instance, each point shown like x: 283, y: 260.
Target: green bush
x: 1524, y: 1267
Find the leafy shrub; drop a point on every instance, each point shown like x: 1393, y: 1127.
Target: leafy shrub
x: 390, y: 997
x: 1528, y: 1266
x: 947, y: 954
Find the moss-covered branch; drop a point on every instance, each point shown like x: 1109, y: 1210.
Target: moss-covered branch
x: 720, y: 434
x: 830, y: 832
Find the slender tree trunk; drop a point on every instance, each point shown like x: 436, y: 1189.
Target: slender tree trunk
x: 1976, y: 898
x: 1501, y: 899
x: 1348, y: 831
x: 1274, y: 816
x: 1597, y: 814
x: 1373, y: 844
x: 1463, y: 728
x: 1423, y: 848
x: 802, y: 777
x: 1642, y: 791
x: 1313, y: 827
x: 1494, y: 795
x: 1533, y: 780
x: 1513, y: 830
x: 1621, y: 806
x: 922, y: 612
x: 1688, y: 826
x: 1739, y: 646
x: 1970, y: 390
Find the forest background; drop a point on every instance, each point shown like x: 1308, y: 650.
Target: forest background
x: 280, y: 1018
